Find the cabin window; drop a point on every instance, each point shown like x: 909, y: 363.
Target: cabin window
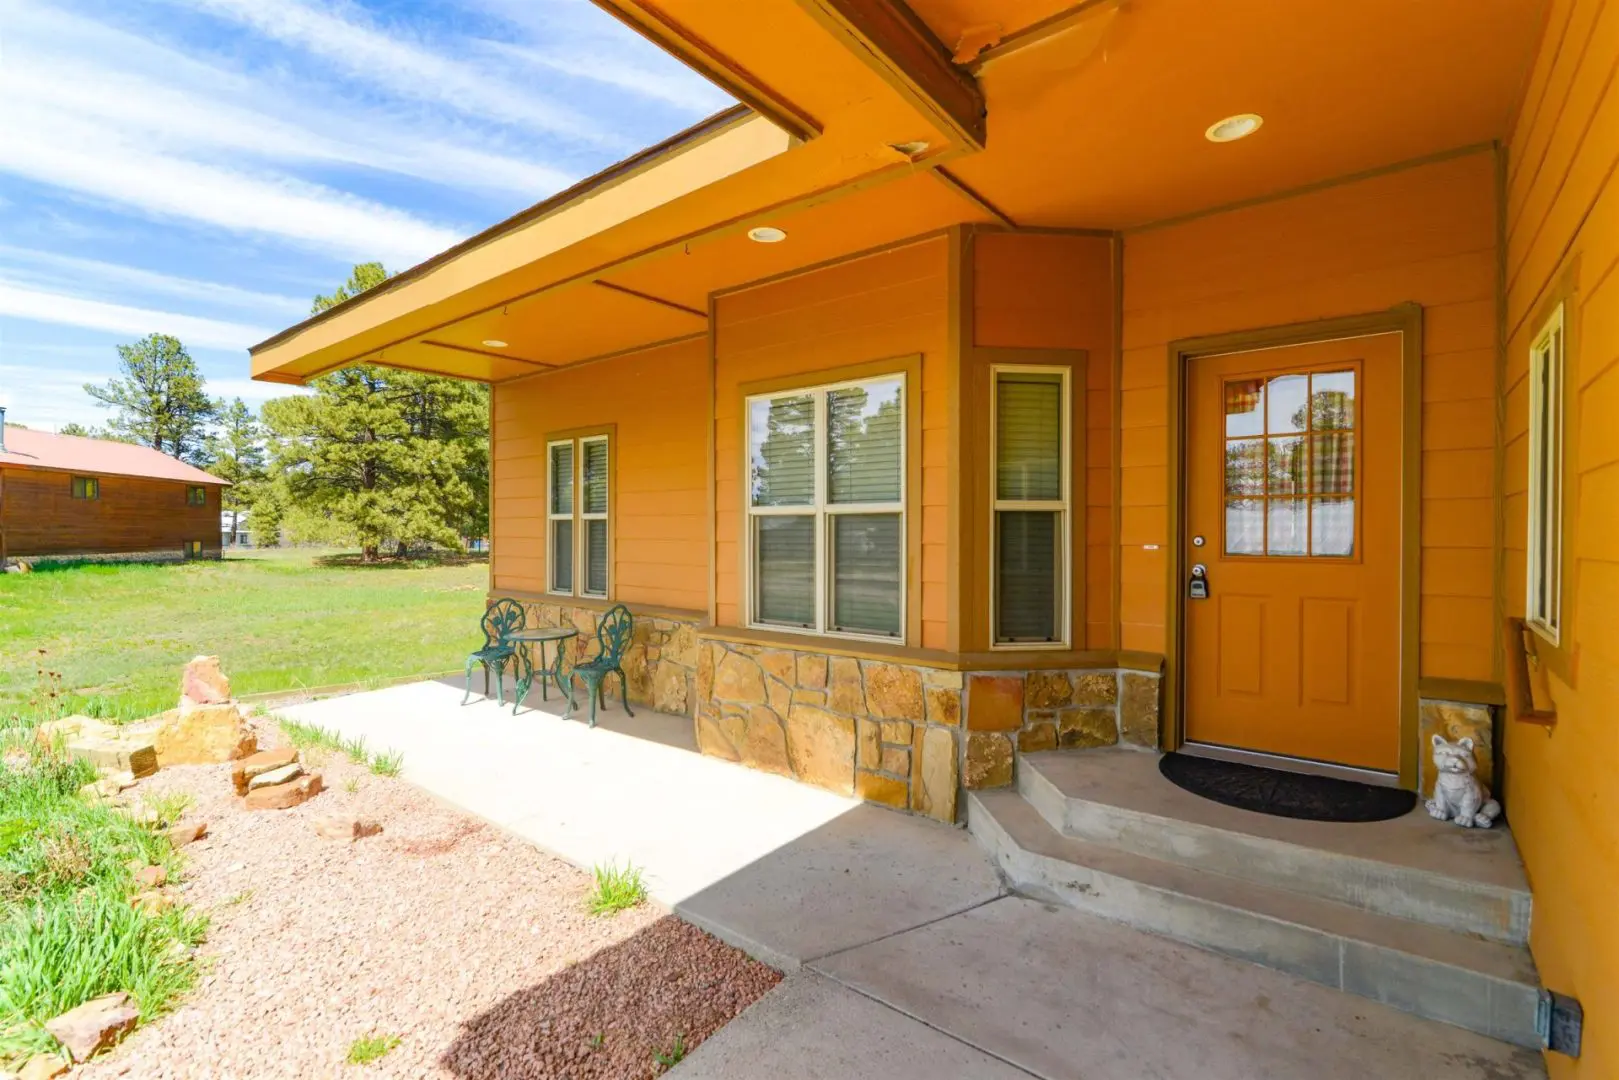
x: 196, y: 495
x: 1544, y: 593
x: 193, y: 549
x: 1030, y: 516
x: 86, y: 487
x: 577, y: 511
x: 826, y: 509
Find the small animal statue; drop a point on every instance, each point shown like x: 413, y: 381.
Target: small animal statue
x: 1457, y: 793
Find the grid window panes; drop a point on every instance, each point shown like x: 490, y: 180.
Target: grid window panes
x: 1543, y: 596
x: 86, y: 487
x: 1029, y: 570
x: 826, y: 521
x: 1290, y: 477
x: 577, y: 506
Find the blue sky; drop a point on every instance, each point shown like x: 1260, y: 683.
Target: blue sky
x: 203, y: 167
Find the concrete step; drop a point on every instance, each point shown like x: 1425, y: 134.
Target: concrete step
x: 1484, y: 986
x: 1467, y: 880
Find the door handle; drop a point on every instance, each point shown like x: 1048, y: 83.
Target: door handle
x: 1197, y: 587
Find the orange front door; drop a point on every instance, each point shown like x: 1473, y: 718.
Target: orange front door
x: 1293, y: 509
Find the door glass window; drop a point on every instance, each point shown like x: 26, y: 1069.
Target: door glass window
x: 1290, y: 475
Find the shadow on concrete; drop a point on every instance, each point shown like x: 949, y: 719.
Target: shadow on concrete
x: 548, y: 704
x: 610, y: 1014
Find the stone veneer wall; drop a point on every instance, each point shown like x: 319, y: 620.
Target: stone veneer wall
x: 1023, y: 712
x: 883, y: 731
x: 660, y: 665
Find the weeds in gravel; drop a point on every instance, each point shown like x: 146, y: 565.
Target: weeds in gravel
x: 597, y: 1040
x: 668, y: 1059
x: 67, y: 930
x: 170, y: 806
x: 308, y: 736
x: 369, y: 1048
x: 618, y: 888
x: 352, y: 785
x: 237, y: 899
x: 387, y: 762
x: 356, y: 750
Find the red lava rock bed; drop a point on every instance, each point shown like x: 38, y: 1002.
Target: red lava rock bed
x: 470, y: 946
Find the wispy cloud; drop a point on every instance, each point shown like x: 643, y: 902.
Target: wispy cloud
x: 49, y: 398
x: 95, y: 279
x: 353, y: 42
x: 37, y: 305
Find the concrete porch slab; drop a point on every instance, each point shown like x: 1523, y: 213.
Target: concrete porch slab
x: 785, y: 871
x: 1069, y: 996
x: 810, y: 1028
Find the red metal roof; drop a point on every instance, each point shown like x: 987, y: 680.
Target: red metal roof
x: 26, y: 448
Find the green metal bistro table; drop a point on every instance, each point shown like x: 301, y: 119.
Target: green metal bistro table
x: 549, y: 672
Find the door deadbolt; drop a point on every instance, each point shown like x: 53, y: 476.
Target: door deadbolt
x: 1197, y: 541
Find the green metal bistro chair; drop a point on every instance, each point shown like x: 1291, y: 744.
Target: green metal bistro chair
x: 503, y: 618
x: 613, y: 635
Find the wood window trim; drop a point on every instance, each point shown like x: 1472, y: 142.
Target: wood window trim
x: 196, y: 495
x: 909, y: 368
x: 1064, y: 506
x: 1548, y: 362
x: 576, y: 437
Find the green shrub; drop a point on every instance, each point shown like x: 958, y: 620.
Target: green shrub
x: 617, y: 889
x: 364, y: 1051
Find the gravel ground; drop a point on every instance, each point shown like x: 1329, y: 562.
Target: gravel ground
x: 470, y: 946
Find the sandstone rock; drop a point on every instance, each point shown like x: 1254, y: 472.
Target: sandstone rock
x: 809, y: 697
x: 669, y: 689
x: 43, y: 1067
x: 994, y: 702
x: 69, y: 727
x: 203, y: 683
x: 283, y: 796
x: 893, y: 691
x: 933, y: 773
x: 897, y: 760
x: 186, y: 832
x: 257, y: 764
x: 779, y: 664
x: 765, y: 744
x: 121, y: 753
x: 943, y: 705
x: 204, y: 735
x: 847, y: 695
x: 1087, y: 727
x: 275, y: 776
x: 897, y: 732
x: 682, y: 645
x: 711, y: 739
x: 637, y: 675
x: 811, y: 671
x: 151, y: 877
x: 946, y: 680
x: 1096, y: 688
x: 1138, y: 709
x: 151, y: 901
x: 869, y: 749
x: 780, y: 695
x: 346, y: 827
x: 1037, y: 737
x: 1047, y: 690
x: 882, y: 789
x: 95, y: 1025
x: 738, y: 678
x: 989, y: 760
x: 820, y: 748
x: 705, y: 672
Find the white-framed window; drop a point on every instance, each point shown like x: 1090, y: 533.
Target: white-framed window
x: 577, y: 513
x: 826, y: 509
x: 1031, y: 521
x: 1544, y: 594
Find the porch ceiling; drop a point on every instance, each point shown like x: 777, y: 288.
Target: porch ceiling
x: 1096, y: 116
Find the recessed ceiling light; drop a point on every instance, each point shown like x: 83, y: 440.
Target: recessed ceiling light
x: 767, y: 234
x: 1233, y: 128
x: 494, y: 343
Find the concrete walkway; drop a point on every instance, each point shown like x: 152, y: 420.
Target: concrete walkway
x: 906, y: 958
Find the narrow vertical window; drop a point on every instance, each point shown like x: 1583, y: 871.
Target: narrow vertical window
x: 559, y: 510
x: 1544, y: 593
x: 826, y: 517
x: 196, y: 495
x: 593, y: 513
x: 1030, y: 524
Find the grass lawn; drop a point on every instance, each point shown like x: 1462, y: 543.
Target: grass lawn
x: 278, y: 620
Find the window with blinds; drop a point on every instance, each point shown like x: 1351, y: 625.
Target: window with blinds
x: 1543, y: 597
x: 826, y: 518
x: 577, y: 512
x: 1029, y: 588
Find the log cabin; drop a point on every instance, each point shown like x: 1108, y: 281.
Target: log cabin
x: 1004, y: 383
x: 63, y: 495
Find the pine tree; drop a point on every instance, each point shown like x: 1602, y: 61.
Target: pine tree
x: 160, y: 400
x: 235, y: 452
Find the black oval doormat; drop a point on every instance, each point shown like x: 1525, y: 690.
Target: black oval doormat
x: 1285, y: 794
